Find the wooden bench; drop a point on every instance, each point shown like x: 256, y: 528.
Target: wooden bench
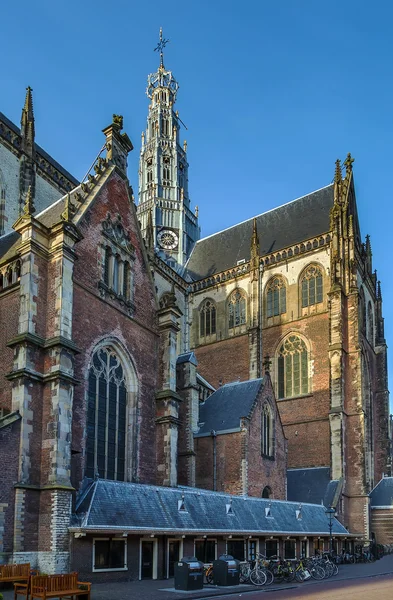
x: 53, y: 586
x: 12, y: 573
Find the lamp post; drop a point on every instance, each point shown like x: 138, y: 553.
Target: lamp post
x: 330, y: 512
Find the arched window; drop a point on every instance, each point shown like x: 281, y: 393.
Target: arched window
x: 292, y: 368
x: 312, y: 286
x: 237, y: 309
x: 362, y: 312
x: 276, y: 297
x: 207, y: 319
x: 106, y: 416
x: 370, y: 324
x: 267, y: 492
x: 267, y: 432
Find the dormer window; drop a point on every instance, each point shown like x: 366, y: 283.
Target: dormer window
x: 228, y: 507
x: 181, y: 507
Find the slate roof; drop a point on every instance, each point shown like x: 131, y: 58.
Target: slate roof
x: 299, y: 220
x: 382, y: 495
x: 311, y: 485
x: 40, y: 151
x: 9, y: 244
x: 223, y: 410
x: 132, y: 507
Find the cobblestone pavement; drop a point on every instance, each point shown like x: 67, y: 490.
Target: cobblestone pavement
x: 164, y: 589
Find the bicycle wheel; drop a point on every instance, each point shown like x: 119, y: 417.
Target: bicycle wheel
x: 300, y: 575
x: 289, y: 575
x: 269, y: 576
x: 317, y: 572
x: 258, y: 577
x: 277, y: 575
x: 209, y: 576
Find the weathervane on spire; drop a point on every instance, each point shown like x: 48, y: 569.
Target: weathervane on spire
x: 160, y: 48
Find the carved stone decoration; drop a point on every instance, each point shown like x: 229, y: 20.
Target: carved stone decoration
x: 116, y: 232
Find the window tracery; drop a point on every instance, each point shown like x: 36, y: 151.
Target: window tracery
x: 118, y: 256
x: 237, y: 309
x: 312, y: 286
x: 106, y: 416
x: 292, y: 368
x: 207, y: 319
x: 276, y: 297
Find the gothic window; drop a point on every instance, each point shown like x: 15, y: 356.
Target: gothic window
x: 149, y: 176
x: 362, y: 312
x: 207, y: 319
x: 267, y: 432
x: 106, y: 416
x: 237, y: 309
x: 312, y: 286
x: 276, y: 297
x: 292, y: 368
x: 117, y: 274
x: 370, y: 324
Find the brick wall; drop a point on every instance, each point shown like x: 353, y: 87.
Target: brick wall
x: 9, y: 446
x: 217, y: 364
x: 96, y: 318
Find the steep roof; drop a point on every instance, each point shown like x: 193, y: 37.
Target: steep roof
x: 114, y: 505
x: 382, y: 495
x: 40, y: 151
x: 223, y: 410
x: 299, y: 220
x: 311, y: 485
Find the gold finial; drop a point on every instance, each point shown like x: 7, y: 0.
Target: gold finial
x: 338, y: 175
x: 29, y: 207
x: 160, y: 48
x: 348, y: 163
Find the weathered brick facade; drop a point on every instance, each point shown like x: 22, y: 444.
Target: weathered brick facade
x: 90, y: 315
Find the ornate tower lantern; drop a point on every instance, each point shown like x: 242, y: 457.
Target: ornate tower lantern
x: 163, y: 171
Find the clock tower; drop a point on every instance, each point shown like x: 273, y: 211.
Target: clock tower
x: 164, y: 202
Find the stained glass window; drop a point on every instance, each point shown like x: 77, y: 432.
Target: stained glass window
x: 312, y: 286
x: 292, y: 368
x: 106, y: 417
x: 207, y: 319
x: 237, y: 309
x: 276, y: 297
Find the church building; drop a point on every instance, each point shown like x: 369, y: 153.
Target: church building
x: 165, y: 394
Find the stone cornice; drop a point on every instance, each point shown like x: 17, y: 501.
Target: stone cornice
x: 49, y: 486
x: 36, y: 340
x: 25, y: 373
x: 168, y: 395
x: 285, y: 255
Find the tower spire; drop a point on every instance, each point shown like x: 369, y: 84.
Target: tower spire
x: 164, y: 202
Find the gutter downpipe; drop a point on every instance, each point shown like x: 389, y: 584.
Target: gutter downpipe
x: 214, y: 436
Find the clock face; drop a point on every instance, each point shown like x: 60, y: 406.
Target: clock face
x: 167, y: 239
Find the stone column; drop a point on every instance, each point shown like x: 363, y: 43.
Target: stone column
x: 167, y: 399
x: 189, y: 413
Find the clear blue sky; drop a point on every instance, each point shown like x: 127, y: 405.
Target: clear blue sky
x: 271, y: 92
